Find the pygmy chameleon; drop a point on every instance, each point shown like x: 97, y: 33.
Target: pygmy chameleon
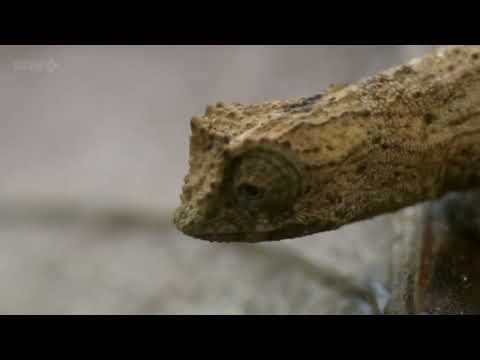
x: 286, y: 169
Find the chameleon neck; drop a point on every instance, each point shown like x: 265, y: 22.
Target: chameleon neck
x: 404, y: 136
x: 430, y: 114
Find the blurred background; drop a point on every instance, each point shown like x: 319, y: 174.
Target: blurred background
x: 94, y: 147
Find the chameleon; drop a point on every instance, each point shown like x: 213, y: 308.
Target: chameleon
x: 286, y: 169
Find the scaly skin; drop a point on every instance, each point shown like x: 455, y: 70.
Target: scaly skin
x: 286, y: 169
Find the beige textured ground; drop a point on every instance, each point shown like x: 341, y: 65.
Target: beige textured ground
x: 110, y: 126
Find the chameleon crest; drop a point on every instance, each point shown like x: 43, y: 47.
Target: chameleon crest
x: 286, y: 169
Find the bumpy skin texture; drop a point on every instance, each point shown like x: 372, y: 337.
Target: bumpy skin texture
x: 286, y: 169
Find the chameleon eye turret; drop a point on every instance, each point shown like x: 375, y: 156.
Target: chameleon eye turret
x: 265, y: 182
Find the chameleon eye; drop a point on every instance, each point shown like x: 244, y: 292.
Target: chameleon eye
x: 249, y: 192
x: 265, y: 181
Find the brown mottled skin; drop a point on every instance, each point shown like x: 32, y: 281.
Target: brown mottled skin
x: 286, y: 169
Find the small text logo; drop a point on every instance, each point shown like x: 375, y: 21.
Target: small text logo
x: 29, y: 65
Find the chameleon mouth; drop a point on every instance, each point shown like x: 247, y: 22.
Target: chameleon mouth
x: 233, y: 237
x: 204, y: 229
x: 289, y: 232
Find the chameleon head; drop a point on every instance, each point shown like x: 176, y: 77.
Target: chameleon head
x: 250, y: 198
x: 238, y: 189
x: 254, y: 175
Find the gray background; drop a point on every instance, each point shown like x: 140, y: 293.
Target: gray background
x: 108, y: 127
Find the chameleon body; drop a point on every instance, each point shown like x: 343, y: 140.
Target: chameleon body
x: 286, y: 169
